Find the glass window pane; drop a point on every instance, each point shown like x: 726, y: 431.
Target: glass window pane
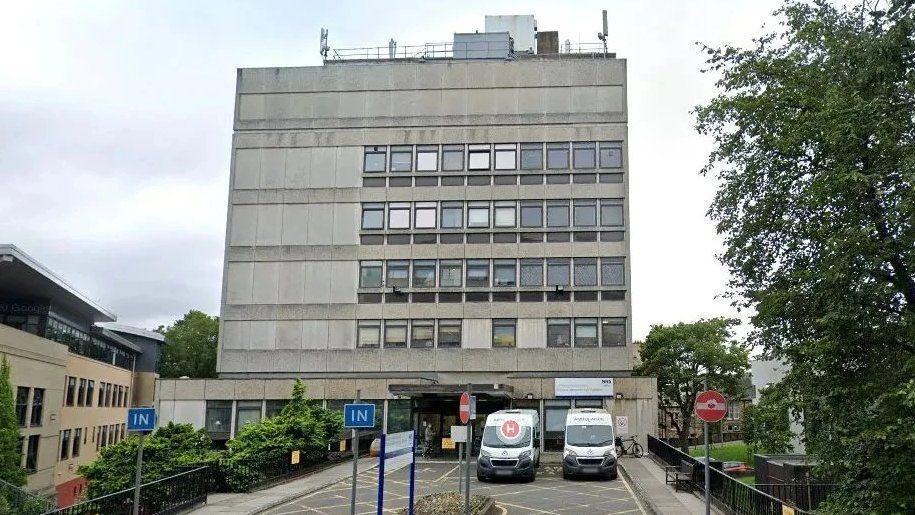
x: 453, y: 158
x: 425, y: 215
x: 422, y: 333
x: 424, y: 274
x: 613, y: 332
x: 427, y: 159
x: 557, y: 272
x: 583, y: 156
x: 399, y: 216
x: 452, y: 215
x: 557, y: 215
x: 585, y: 213
x: 449, y: 333
x: 531, y: 156
x: 611, y: 155
x: 558, y: 333
x: 373, y: 217
x: 370, y: 274
x: 401, y: 159
x: 506, y: 157
x: 477, y: 273
x: 375, y: 158
x: 478, y: 157
x: 611, y: 213
x: 504, y: 215
x: 395, y: 333
x: 585, y: 272
x: 450, y: 273
x: 246, y: 412
x: 531, y: 272
x: 557, y: 155
x: 504, y: 273
x: 478, y: 216
x: 503, y: 333
x: 586, y: 332
x: 369, y: 333
x: 398, y: 274
x: 611, y: 274
x: 531, y: 215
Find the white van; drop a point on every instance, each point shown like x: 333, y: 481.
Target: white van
x: 510, y: 446
x: 590, y: 447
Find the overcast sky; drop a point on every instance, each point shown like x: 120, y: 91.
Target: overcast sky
x: 116, y: 123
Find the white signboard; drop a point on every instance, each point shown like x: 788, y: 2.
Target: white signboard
x: 622, y: 426
x: 584, y: 387
x: 459, y: 434
x: 398, y: 450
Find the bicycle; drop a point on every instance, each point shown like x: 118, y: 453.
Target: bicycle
x: 633, y: 449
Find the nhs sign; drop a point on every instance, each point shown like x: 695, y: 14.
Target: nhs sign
x: 141, y: 419
x: 359, y: 415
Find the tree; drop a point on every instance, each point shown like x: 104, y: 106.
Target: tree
x: 10, y: 471
x: 191, y: 347
x: 767, y: 424
x: 815, y: 162
x: 683, y: 355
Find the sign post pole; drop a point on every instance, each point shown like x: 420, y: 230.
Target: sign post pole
x: 142, y: 420
x: 468, y: 445
x: 139, y: 476
x: 352, y: 502
x: 710, y: 406
x: 412, y: 471
x: 708, y: 464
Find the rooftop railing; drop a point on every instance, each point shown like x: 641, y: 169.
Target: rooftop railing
x: 445, y: 50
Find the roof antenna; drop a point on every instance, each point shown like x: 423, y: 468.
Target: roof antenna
x: 324, y: 46
x: 603, y: 35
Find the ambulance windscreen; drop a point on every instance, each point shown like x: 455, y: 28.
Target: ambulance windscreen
x: 589, y: 436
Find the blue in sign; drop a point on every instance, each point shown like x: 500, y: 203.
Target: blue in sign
x: 141, y: 419
x: 358, y: 415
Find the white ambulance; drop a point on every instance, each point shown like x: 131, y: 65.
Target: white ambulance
x: 590, y: 448
x: 510, y: 446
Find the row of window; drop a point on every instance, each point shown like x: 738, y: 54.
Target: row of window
x: 85, y: 344
x: 498, y: 214
x: 102, y: 436
x: 23, y: 415
x: 580, y: 155
x: 483, y: 273
x: 533, y: 236
x: 489, y: 180
x: 109, y: 395
x: 422, y: 334
x: 560, y: 295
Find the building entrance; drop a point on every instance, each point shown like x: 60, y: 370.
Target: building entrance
x: 432, y: 418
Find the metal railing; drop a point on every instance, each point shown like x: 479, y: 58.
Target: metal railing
x: 445, y: 50
x: 22, y: 502
x: 806, y: 496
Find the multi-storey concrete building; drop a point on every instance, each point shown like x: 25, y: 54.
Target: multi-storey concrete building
x: 404, y: 226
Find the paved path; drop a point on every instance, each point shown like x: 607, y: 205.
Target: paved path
x: 647, y: 479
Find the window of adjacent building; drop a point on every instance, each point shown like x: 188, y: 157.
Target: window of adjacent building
x: 611, y: 273
x: 557, y: 156
x: 375, y: 158
x: 120, y: 401
x: 422, y: 334
x: 531, y: 272
x: 478, y: 214
x: 31, y: 454
x: 504, y: 272
x: 450, y: 272
x: 126, y: 396
x: 398, y: 274
x: 217, y: 420
x: 395, y: 333
x: 424, y: 274
x: 504, y: 214
x: 532, y: 156
x: 81, y: 396
x: 37, y: 407
x: 452, y: 215
x: 611, y: 154
x: 557, y: 213
x: 401, y: 159
x: 368, y: 334
x: 246, y: 412
x: 478, y: 157
x: 506, y: 156
x: 109, y: 390
x: 586, y: 332
x: 424, y: 215
x: 90, y: 392
x: 477, y: 273
x: 273, y: 407
x: 22, y: 405
x: 585, y: 272
x: 585, y: 213
x: 70, y: 396
x: 77, y: 440
x: 531, y: 214
x: 64, y: 444
x: 427, y: 158
x: 399, y: 215
x: 558, y: 332
x: 101, y: 393
x: 370, y: 274
x: 373, y: 216
x: 453, y: 158
x: 611, y: 213
x: 583, y: 154
x: 503, y: 332
x: 557, y: 272
x: 613, y: 332
x: 449, y: 333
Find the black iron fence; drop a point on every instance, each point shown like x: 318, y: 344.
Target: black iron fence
x: 20, y: 502
x: 806, y: 496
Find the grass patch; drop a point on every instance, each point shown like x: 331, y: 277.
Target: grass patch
x: 732, y: 451
x: 747, y: 480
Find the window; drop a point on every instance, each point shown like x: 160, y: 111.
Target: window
x: 105, y: 431
x: 424, y: 274
x: 121, y: 396
x: 503, y: 332
x: 504, y: 214
x: 452, y: 215
x: 395, y: 333
x: 531, y: 272
x: 532, y: 156
x: 453, y: 158
x: 374, y: 160
x: 449, y: 333
x: 558, y: 332
x: 424, y: 215
x: 90, y: 392
x: 611, y: 154
x: 64, y: 444
x: 22, y: 405
x: 401, y: 159
x: 586, y: 332
x: 369, y: 334
x: 557, y: 156
x: 478, y: 157
x: 370, y: 274
x: 450, y: 272
x: 506, y: 157
x: 531, y: 214
x: 427, y: 158
x: 613, y: 332
x: 557, y: 272
x: 217, y: 420
x: 373, y: 216
x: 557, y: 213
x: 71, y: 391
x: 247, y: 412
x: 477, y: 273
x: 611, y: 272
x: 611, y: 213
x: 109, y: 390
x: 77, y: 440
x: 422, y: 334
x: 585, y: 272
x: 37, y: 407
x: 585, y: 213
x: 31, y: 454
x: 81, y: 396
x: 504, y: 272
x: 399, y: 215
x: 478, y: 214
x: 126, y: 396
x: 583, y: 154
x: 398, y: 274
x: 101, y: 393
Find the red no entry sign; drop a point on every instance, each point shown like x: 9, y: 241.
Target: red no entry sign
x: 711, y: 406
x: 464, y: 408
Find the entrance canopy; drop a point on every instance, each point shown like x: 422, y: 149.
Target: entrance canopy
x: 451, y: 390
